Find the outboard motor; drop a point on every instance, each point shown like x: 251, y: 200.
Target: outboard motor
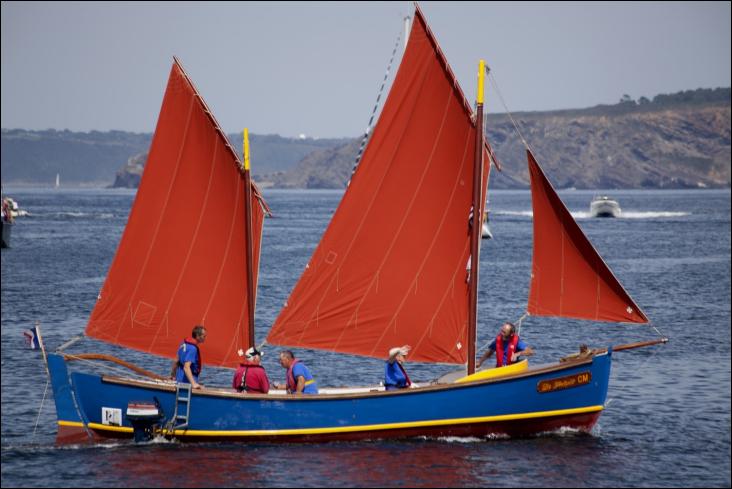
x: 145, y: 417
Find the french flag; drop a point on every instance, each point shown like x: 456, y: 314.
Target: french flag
x: 31, y: 338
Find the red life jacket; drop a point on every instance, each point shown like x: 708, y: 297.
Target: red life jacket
x: 409, y: 382
x: 511, y: 349
x: 291, y: 382
x: 194, y: 342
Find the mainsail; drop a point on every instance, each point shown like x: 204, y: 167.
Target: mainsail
x: 568, y: 276
x: 391, y: 267
x: 182, y: 258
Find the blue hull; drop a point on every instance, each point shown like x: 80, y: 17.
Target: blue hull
x: 563, y: 395
x: 6, y: 229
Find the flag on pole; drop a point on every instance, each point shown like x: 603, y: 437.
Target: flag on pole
x: 31, y: 338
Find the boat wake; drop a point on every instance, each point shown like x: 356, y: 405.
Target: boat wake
x: 472, y: 439
x: 513, y: 213
x: 651, y: 215
x: 587, y: 215
x: 565, y: 431
x: 75, y: 215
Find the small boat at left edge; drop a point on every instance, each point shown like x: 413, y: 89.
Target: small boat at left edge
x: 7, y: 220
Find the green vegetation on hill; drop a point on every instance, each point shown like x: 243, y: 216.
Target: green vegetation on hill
x: 674, y: 141
x: 95, y: 157
x: 670, y: 141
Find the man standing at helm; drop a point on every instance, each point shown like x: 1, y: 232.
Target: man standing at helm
x: 508, y: 347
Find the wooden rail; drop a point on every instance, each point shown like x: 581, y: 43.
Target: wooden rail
x: 109, y: 358
x: 640, y: 344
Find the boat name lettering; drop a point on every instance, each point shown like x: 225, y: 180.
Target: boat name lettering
x: 566, y: 382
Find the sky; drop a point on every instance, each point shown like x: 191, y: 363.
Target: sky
x: 315, y: 68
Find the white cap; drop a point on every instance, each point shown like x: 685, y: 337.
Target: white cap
x: 398, y: 350
x: 250, y: 353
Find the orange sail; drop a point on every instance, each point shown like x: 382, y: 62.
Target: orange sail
x: 391, y: 267
x: 182, y: 258
x: 568, y: 276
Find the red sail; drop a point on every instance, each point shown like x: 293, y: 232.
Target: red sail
x: 391, y: 267
x: 182, y: 258
x: 568, y: 276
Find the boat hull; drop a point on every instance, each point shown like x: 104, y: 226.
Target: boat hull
x: 546, y: 399
x: 604, y: 208
x: 486, y: 232
x: 6, y: 229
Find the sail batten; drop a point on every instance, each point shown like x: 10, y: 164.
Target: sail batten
x: 391, y: 267
x: 569, y: 278
x: 182, y: 257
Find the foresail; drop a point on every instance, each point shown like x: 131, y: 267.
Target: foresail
x: 391, y: 267
x: 568, y: 276
x: 182, y: 258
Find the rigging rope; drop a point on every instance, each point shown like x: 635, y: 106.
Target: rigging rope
x: 365, y: 137
x: 35, y: 428
x: 73, y: 340
x: 519, y: 322
x: 518, y: 330
x: 493, y: 80
x: 657, y: 331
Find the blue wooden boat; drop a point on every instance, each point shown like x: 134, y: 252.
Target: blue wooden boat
x: 514, y: 406
x: 389, y: 270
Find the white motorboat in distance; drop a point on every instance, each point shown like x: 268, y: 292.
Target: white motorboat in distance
x: 486, y: 231
x: 604, y: 206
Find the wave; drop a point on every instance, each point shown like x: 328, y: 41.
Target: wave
x: 513, y: 213
x: 472, y: 439
x: 75, y: 215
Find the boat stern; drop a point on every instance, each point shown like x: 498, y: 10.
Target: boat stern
x: 71, y: 427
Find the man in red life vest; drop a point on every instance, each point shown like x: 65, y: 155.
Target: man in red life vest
x: 187, y: 367
x: 250, y: 376
x: 298, y: 379
x: 508, y: 345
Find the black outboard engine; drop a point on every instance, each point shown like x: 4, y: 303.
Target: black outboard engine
x: 145, y: 417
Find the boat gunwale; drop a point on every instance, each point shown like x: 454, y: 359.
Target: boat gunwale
x: 398, y: 392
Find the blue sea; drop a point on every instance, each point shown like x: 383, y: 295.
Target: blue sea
x: 667, y: 420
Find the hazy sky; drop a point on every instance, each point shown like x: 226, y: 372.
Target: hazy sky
x: 315, y: 68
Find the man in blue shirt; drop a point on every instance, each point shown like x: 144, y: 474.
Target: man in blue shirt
x: 509, y: 346
x: 299, y: 379
x: 187, y: 367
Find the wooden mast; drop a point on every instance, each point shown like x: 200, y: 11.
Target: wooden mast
x: 476, y: 224
x: 248, y: 227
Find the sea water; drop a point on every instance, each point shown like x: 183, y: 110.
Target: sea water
x: 667, y: 419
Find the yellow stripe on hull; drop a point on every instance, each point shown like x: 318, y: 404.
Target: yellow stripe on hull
x: 350, y: 429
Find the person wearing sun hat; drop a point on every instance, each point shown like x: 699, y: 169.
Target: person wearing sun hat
x: 395, y: 377
x: 250, y: 377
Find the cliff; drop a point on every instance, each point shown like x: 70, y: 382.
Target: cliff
x: 679, y: 140
x: 685, y: 146
x: 35, y: 157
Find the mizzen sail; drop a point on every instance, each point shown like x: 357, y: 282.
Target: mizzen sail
x: 568, y: 276
x: 391, y: 267
x: 182, y: 258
